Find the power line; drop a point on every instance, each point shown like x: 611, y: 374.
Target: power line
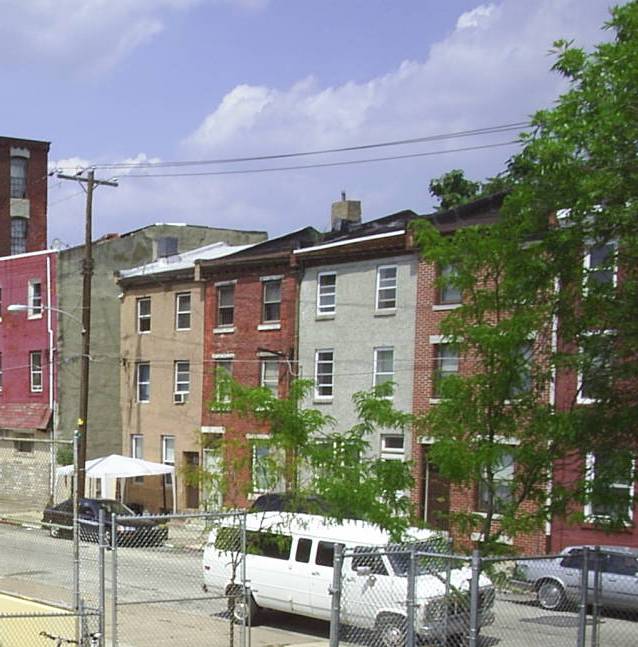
x: 321, y: 165
x: 488, y: 130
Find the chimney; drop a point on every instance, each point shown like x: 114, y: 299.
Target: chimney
x: 346, y: 212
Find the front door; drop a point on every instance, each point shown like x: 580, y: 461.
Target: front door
x: 436, y: 495
x: 191, y: 460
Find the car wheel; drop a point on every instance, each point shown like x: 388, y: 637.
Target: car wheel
x: 551, y: 595
x: 54, y: 531
x: 242, y: 610
x: 391, y: 631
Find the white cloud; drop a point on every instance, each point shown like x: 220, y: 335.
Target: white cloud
x: 87, y: 34
x: 492, y: 69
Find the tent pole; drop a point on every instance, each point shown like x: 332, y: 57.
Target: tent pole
x: 174, y: 491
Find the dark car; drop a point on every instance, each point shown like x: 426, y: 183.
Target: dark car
x: 300, y: 504
x: 136, y: 531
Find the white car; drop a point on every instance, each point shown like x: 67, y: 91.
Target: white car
x: 289, y: 567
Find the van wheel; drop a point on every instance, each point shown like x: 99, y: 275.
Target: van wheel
x: 242, y: 610
x: 391, y: 631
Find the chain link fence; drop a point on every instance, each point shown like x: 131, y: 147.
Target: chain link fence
x: 400, y: 596
x: 165, y: 593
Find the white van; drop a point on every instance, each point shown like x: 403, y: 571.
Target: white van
x: 289, y: 567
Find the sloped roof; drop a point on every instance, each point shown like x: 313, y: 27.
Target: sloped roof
x: 24, y: 415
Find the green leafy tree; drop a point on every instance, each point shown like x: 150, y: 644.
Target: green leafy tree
x: 453, y: 189
x: 312, y: 461
x: 559, y: 267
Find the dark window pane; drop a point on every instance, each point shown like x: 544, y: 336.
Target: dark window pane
x: 303, y: 550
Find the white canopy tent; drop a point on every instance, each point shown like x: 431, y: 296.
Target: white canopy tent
x: 110, y: 468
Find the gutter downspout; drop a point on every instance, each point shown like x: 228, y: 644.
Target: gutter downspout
x: 51, y: 349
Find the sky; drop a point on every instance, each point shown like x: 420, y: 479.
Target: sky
x: 133, y: 81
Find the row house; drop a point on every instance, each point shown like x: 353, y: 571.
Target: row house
x: 28, y: 360
x: 251, y: 333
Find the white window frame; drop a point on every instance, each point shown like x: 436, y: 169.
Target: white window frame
x: 256, y: 443
x: 330, y: 310
x: 264, y: 287
x: 590, y: 476
x: 1, y: 373
x: 392, y: 453
x: 436, y: 368
x: 376, y: 374
x: 34, y: 301
x: 182, y: 386
x: 139, y: 383
x: 587, y: 264
x: 331, y: 385
x: 225, y: 308
x: 137, y: 446
x: 227, y: 364
x: 36, y: 372
x: 579, y: 376
x: 381, y: 288
x: 166, y: 441
x: 507, y: 478
x: 266, y: 381
x: 181, y: 311
x: 449, y: 270
x: 146, y: 317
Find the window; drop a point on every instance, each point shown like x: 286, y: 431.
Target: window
x: 523, y: 379
x: 144, y: 315
x: 392, y: 447
x: 326, y: 293
x: 168, y: 450
x: 35, y: 366
x: 600, y: 265
x: 35, y: 299
x: 268, y: 544
x: 272, y: 301
x: 324, y: 374
x: 23, y: 443
x: 143, y: 381
x: 367, y: 557
x: 183, y: 311
x: 503, y: 471
x: 0, y: 304
x: 0, y: 371
x: 448, y: 293
x: 325, y: 554
x: 270, y: 375
x: 182, y: 379
x: 446, y: 364
x: 594, y: 377
x: 168, y: 456
x: 225, y: 305
x: 19, y: 177
x: 223, y: 372
x: 610, y: 480
x: 383, y: 365
x: 18, y: 235
x: 302, y: 553
x: 387, y: 287
x: 137, y: 451
x: 260, y: 465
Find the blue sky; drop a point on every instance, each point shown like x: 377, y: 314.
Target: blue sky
x: 136, y: 80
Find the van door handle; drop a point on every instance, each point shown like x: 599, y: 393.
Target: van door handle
x: 315, y: 573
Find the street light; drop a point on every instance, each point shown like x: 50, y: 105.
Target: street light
x: 79, y: 466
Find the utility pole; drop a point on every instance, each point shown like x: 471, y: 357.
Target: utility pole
x: 87, y: 274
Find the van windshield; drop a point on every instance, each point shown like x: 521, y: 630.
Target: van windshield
x: 426, y: 564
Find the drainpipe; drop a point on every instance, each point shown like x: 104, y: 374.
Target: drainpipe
x: 51, y: 350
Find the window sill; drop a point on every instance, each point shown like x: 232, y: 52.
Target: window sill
x: 441, y: 307
x: 269, y: 326
x: 223, y: 330
x: 30, y: 317
x: 182, y: 329
x: 143, y: 332
x: 389, y: 312
x: 327, y: 316
x: 322, y: 400
x: 435, y: 400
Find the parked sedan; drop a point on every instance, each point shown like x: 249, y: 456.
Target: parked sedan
x: 138, y: 531
x: 557, y: 581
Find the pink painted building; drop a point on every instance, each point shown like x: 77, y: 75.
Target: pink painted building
x: 27, y: 373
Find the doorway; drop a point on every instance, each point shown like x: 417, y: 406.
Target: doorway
x: 436, y: 495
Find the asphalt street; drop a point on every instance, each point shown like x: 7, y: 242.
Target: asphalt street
x: 161, y: 602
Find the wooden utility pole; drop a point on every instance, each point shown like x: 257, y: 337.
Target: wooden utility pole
x: 87, y: 274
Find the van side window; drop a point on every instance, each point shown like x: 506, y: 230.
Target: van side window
x: 268, y: 544
x: 228, y: 539
x: 303, y: 550
x: 367, y: 557
x: 325, y: 553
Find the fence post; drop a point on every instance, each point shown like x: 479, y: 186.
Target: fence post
x: 474, y: 599
x: 102, y: 581
x: 335, y: 592
x: 595, y: 633
x: 114, y: 580
x: 411, y: 601
x: 582, y: 615
x: 76, y: 535
x: 448, y: 578
x: 245, y: 632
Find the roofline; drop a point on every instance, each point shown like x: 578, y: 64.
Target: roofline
x: 349, y: 241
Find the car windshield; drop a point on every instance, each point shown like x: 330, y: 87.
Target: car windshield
x: 426, y: 564
x: 115, y: 507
